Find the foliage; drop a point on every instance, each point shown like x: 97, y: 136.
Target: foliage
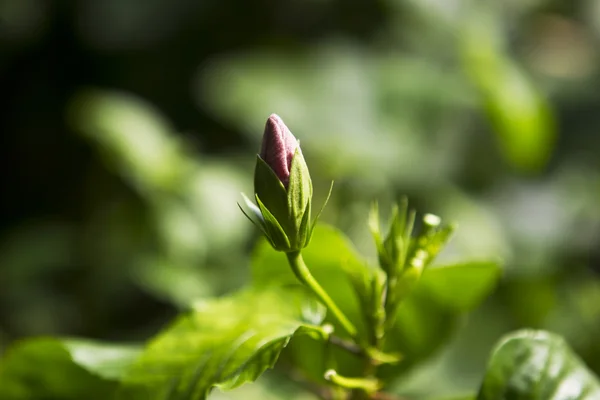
x: 228, y: 341
x: 537, y: 365
x: 125, y: 150
x: 224, y: 343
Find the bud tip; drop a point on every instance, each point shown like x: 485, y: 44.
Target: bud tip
x: 278, y: 147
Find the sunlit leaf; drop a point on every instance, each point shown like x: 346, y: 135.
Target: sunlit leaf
x: 223, y: 343
x: 537, y: 365
x: 65, y: 369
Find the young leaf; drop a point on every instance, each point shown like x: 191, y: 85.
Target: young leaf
x: 69, y: 369
x: 537, y: 365
x: 224, y: 343
x: 375, y: 228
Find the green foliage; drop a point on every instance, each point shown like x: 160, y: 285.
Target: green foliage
x: 46, y: 368
x: 228, y: 341
x: 424, y: 97
x: 425, y: 320
x: 223, y: 343
x: 537, y: 365
x: 520, y: 115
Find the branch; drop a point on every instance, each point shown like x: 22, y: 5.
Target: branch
x: 347, y: 345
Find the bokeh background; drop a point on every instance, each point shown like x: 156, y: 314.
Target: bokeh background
x: 129, y: 127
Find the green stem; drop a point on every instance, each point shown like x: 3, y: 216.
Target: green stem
x: 303, y: 274
x: 368, y: 386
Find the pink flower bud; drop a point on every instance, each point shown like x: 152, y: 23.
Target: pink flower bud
x: 278, y: 148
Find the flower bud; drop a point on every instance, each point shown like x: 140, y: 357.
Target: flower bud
x: 278, y: 148
x: 282, y: 189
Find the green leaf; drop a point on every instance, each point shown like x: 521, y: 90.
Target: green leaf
x: 537, y: 365
x: 45, y: 368
x: 118, y: 123
x: 462, y: 286
x: 521, y: 116
x: 224, y: 343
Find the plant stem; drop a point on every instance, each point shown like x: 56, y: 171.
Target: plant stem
x: 347, y: 345
x: 303, y: 274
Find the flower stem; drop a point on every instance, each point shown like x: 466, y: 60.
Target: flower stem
x: 303, y: 274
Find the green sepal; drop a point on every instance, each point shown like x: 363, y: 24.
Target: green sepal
x: 299, y: 192
x: 303, y: 238
x: 275, y: 232
x: 272, y: 193
x: 258, y: 220
x: 314, y: 222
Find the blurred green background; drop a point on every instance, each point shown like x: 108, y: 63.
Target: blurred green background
x: 129, y: 128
